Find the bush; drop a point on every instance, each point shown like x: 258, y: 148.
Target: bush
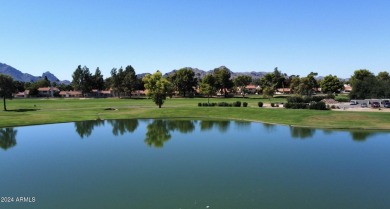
x: 260, y: 104
x: 236, y: 104
x: 290, y: 105
x: 272, y: 104
x: 341, y: 99
x: 317, y: 106
x: 245, y: 104
x: 295, y: 99
x: 199, y: 104
x: 223, y: 104
x: 205, y: 104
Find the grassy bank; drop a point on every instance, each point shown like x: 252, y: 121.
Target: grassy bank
x: 42, y: 111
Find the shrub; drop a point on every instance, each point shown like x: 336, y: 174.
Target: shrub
x: 236, y: 104
x: 199, y: 104
x: 317, y: 106
x: 295, y: 99
x: 223, y: 104
x: 245, y: 104
x: 230, y: 105
x: 260, y: 104
x: 341, y: 99
x: 205, y: 104
x: 272, y: 104
x: 290, y: 105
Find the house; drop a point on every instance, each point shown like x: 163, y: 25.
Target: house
x: 22, y: 94
x: 47, y: 91
x: 283, y: 91
x: 70, y: 94
x: 347, y: 88
x: 252, y: 89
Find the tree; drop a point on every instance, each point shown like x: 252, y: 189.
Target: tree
x: 129, y: 80
x: 360, y: 75
x: 383, y: 76
x: 157, y: 87
x: 241, y: 81
x: 97, y: 80
x: 331, y: 84
x: 363, y: 83
x: 207, y: 87
x: 184, y: 81
x: 222, y: 79
x: 82, y: 80
x: 294, y: 83
x: 268, y: 92
x: 7, y: 87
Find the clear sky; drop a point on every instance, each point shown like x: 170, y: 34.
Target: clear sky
x: 297, y: 36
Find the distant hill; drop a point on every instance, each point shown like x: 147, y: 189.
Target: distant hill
x: 25, y: 77
x: 201, y: 73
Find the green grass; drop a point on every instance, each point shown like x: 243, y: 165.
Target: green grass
x: 43, y: 111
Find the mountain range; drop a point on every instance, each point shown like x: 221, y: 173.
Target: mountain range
x: 25, y: 77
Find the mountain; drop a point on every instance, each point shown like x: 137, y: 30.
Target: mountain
x: 25, y: 77
x: 201, y: 73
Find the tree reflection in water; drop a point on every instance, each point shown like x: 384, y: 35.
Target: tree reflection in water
x: 7, y: 138
x: 157, y: 133
x: 208, y: 124
x: 301, y: 132
x: 123, y: 126
x: 85, y: 128
x: 360, y: 136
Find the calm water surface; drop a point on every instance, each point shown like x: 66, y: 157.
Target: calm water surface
x: 192, y: 164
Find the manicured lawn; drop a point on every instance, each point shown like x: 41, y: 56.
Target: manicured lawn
x: 42, y: 111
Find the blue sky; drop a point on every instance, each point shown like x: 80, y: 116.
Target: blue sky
x: 297, y: 36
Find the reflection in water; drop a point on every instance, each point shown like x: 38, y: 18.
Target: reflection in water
x: 269, y: 127
x: 221, y: 125
x: 85, y: 128
x: 157, y: 133
x: 301, y: 133
x: 183, y: 126
x: 123, y: 126
x: 360, y: 136
x: 7, y: 138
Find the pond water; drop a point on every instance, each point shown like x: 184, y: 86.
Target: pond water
x: 192, y: 164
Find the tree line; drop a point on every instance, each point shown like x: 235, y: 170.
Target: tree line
x: 124, y: 81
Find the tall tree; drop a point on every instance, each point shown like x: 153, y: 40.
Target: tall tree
x: 82, y: 80
x: 241, y: 82
x: 207, y: 87
x: 7, y: 88
x: 222, y: 79
x: 116, y: 81
x: 129, y: 80
x: 184, y: 81
x: 383, y: 76
x: 157, y: 87
x: 331, y: 84
x: 97, y: 80
x: 363, y: 83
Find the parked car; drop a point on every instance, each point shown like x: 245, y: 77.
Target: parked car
x: 385, y: 101
x: 364, y: 105
x: 387, y: 105
x: 375, y: 105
